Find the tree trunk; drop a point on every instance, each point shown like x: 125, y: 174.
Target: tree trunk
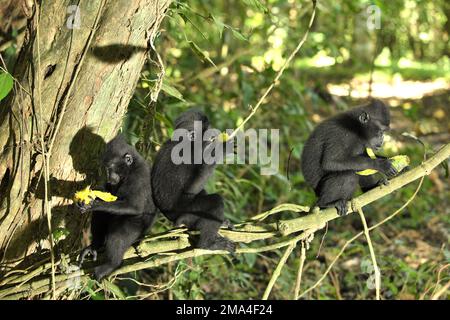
x: 72, y: 90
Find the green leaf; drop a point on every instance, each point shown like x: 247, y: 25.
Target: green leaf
x: 221, y: 26
x: 250, y: 259
x: 60, y: 234
x: 238, y: 35
x: 94, y: 295
x: 163, y: 119
x: 186, y: 20
x: 257, y: 5
x: 172, y: 91
x: 114, y: 289
x: 6, y: 84
x: 199, y: 52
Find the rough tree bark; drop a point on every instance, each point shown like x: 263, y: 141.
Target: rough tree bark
x: 73, y: 86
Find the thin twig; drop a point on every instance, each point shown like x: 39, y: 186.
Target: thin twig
x: 277, y: 271
x: 301, y: 263
x: 443, y: 290
x: 372, y: 254
x: 160, y: 64
x: 322, y: 240
x: 439, y: 277
x: 279, y: 74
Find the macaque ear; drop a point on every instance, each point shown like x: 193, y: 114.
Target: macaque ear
x: 364, y: 117
x: 128, y: 159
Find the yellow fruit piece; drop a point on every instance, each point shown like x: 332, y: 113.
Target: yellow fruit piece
x: 367, y: 172
x: 87, y: 195
x: 83, y: 195
x: 105, y: 196
x: 370, y: 153
x: 399, y: 162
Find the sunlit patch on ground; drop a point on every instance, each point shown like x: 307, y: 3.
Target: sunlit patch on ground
x: 396, y: 88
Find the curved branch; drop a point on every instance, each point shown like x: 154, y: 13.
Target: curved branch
x: 165, y: 248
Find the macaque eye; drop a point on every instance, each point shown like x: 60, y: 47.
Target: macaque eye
x: 128, y: 159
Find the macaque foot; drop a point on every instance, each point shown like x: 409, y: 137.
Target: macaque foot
x: 405, y: 169
x: 341, y: 207
x: 102, y: 271
x: 384, y: 181
x: 220, y: 243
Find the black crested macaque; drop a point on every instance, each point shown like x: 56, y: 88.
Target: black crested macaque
x: 336, y: 150
x: 178, y: 189
x: 116, y: 225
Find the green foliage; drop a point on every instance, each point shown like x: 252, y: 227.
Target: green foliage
x: 94, y: 295
x: 6, y: 84
x: 172, y: 91
x: 60, y: 234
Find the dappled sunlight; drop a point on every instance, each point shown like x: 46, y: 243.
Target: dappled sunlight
x: 396, y: 88
x: 391, y: 145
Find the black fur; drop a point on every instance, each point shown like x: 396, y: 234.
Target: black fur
x: 178, y: 189
x: 336, y: 150
x: 115, y: 226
